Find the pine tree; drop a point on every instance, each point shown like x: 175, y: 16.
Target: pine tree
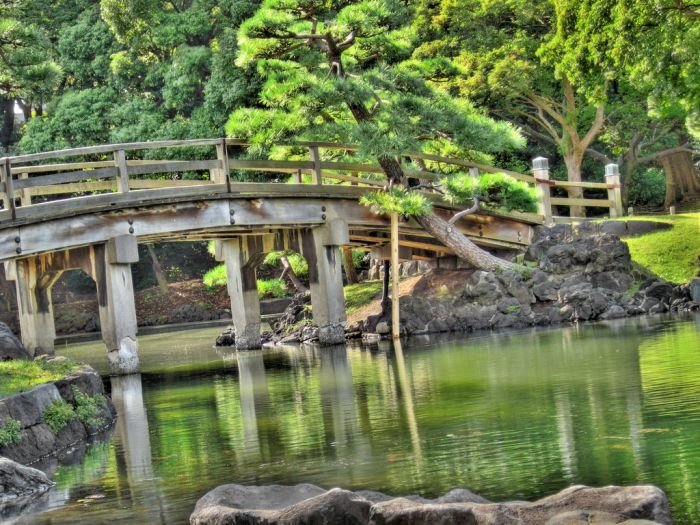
x: 340, y: 71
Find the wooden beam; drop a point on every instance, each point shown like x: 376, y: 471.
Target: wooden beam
x: 395, y: 311
x: 593, y: 203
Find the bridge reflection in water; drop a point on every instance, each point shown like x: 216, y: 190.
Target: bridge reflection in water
x: 510, y: 416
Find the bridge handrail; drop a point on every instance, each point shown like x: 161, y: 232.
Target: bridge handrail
x: 89, y: 176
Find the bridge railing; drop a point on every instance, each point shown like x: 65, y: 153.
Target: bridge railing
x: 39, y: 183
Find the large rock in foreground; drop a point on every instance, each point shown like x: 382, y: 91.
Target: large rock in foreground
x: 308, y: 504
x: 10, y: 347
x: 20, y: 486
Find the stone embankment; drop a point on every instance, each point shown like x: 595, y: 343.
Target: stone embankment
x: 572, y: 275
x: 284, y: 505
x: 81, y: 390
x: 48, y: 420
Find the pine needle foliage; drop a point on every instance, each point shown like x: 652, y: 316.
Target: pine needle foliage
x: 397, y: 200
x: 496, y: 190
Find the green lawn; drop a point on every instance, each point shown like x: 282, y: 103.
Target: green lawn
x: 20, y: 376
x: 670, y: 254
x: 358, y: 295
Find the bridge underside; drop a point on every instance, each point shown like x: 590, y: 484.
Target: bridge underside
x: 104, y: 244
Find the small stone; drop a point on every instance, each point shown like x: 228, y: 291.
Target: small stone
x: 383, y: 328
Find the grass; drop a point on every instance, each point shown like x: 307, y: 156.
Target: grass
x: 20, y: 376
x: 10, y: 433
x: 670, y: 254
x: 57, y: 415
x: 358, y: 295
x: 271, y: 288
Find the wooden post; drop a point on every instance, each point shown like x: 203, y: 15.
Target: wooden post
x: 395, y: 320
x: 123, y: 171
x: 317, y: 175
x: 540, y: 170
x: 474, y: 172
x: 9, y: 199
x: 630, y: 211
x: 612, y: 178
x: 672, y: 210
x: 26, y: 193
x: 297, y: 177
x: 223, y: 175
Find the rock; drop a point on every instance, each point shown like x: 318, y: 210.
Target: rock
x: 11, y: 347
x: 659, y: 290
x: 383, y: 328
x: 227, y: 338
x: 636, y: 502
x: 614, y: 312
x: 234, y: 504
x: 403, y: 511
x: 308, y: 504
x: 28, y: 407
x: 20, y: 486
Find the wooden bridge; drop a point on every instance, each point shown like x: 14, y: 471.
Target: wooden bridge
x: 88, y: 208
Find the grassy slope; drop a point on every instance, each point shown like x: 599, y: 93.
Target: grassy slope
x: 358, y: 295
x: 670, y: 254
x: 20, y: 376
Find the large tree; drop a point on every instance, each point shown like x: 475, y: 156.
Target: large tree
x: 515, y: 58
x: 338, y: 71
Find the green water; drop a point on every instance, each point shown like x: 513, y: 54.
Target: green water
x: 511, y: 416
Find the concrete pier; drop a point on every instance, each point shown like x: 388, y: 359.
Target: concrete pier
x: 321, y: 246
x: 242, y: 256
x: 115, y: 298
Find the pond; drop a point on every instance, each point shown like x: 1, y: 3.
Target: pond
x: 511, y: 416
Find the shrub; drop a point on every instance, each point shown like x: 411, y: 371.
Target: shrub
x: 296, y: 261
x: 89, y: 409
x: 271, y: 288
x: 215, y: 277
x: 10, y: 433
x: 58, y: 414
x: 647, y: 188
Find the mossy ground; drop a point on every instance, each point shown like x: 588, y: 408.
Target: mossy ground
x: 20, y: 376
x: 670, y: 254
x: 358, y: 295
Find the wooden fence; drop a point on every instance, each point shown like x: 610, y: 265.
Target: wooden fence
x: 87, y: 178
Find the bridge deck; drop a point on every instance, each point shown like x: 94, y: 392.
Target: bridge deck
x: 58, y: 204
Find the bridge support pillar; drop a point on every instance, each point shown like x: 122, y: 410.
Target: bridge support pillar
x: 242, y: 256
x: 34, y: 304
x: 320, y: 246
x: 115, y: 297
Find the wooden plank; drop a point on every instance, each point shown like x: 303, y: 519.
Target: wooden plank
x: 567, y: 184
x: 122, y: 171
x: 593, y: 203
x: 134, y: 184
x: 170, y: 167
x: 356, y: 180
x: 317, y: 169
x: 395, y: 312
x: 9, y: 200
x: 63, y: 178
x: 70, y: 166
x: 98, y: 203
x: 468, y: 164
x: 111, y: 148
x: 350, y: 166
x: 284, y: 166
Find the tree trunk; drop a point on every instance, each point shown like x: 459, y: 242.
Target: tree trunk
x: 157, y: 269
x: 386, y: 302
x: 289, y: 272
x: 681, y: 176
x: 8, y: 122
x: 349, y: 267
x: 573, y: 161
x: 463, y: 248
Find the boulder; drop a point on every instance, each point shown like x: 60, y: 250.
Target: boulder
x: 308, y: 504
x: 403, y: 511
x: 11, y: 347
x: 20, y: 486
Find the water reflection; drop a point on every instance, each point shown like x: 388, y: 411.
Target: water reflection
x: 510, y: 416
